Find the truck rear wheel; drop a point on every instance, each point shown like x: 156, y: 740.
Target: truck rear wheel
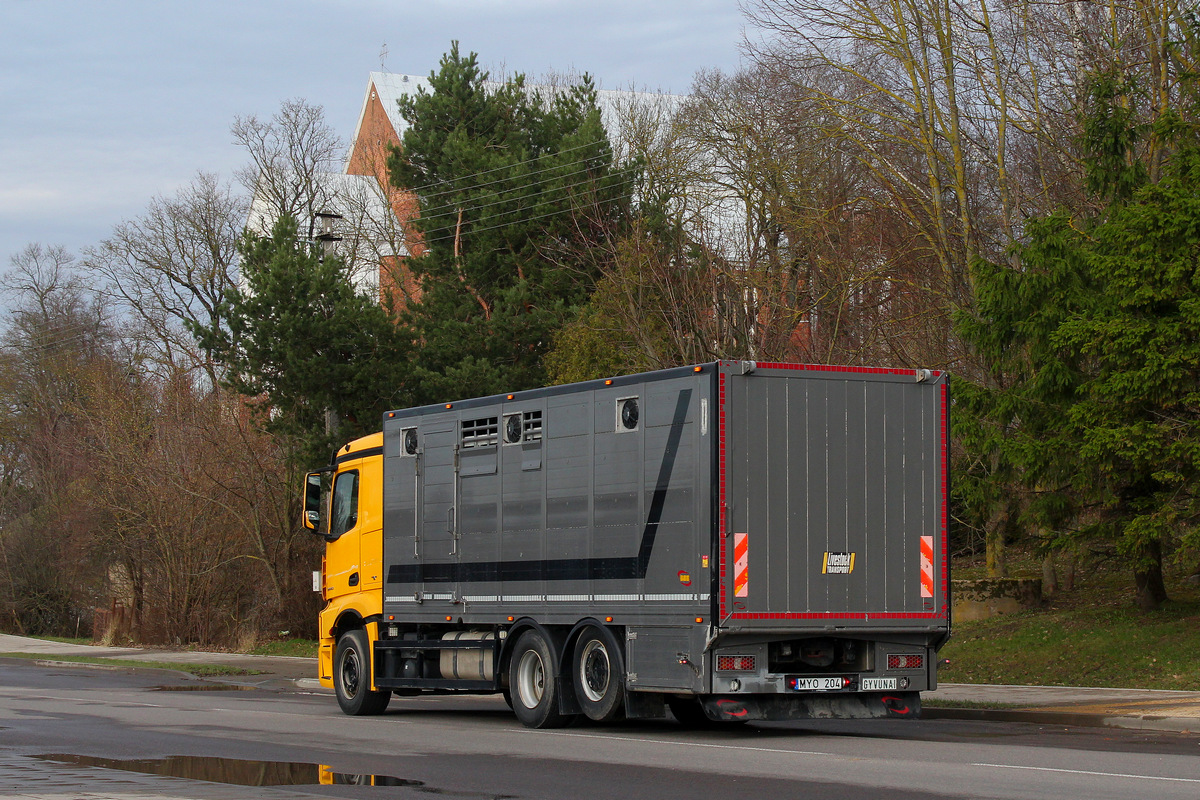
x: 533, y: 683
x: 599, y: 675
x: 352, y: 676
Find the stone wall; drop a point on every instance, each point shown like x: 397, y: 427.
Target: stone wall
x: 981, y: 599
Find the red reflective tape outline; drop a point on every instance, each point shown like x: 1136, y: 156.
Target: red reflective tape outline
x: 722, y: 511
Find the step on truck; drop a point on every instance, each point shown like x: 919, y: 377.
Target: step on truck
x: 731, y: 541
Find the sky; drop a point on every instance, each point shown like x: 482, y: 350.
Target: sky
x: 107, y: 105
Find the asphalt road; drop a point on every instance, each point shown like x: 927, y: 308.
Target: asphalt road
x: 93, y: 720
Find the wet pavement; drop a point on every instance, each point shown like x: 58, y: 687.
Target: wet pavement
x: 1139, y: 709
x: 50, y: 777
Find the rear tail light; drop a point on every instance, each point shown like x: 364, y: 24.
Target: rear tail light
x: 905, y: 661
x: 735, y: 663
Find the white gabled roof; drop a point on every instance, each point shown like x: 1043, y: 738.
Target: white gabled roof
x: 367, y: 226
x: 391, y: 86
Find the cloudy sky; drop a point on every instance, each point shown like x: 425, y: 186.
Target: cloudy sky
x: 105, y: 105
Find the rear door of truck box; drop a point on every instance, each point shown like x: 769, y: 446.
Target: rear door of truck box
x: 832, y: 491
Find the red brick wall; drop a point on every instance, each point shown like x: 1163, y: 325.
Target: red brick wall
x: 368, y: 156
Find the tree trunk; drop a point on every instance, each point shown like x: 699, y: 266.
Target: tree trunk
x: 1148, y: 577
x: 997, y: 526
x: 1049, y: 576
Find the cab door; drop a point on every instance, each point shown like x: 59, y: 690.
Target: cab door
x: 343, y: 548
x: 370, y: 523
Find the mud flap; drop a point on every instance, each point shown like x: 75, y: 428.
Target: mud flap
x: 778, y: 707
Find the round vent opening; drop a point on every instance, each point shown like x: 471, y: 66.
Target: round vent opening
x: 512, y: 429
x: 629, y: 413
x: 410, y: 441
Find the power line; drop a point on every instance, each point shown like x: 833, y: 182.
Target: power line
x: 422, y: 190
x: 475, y: 230
x: 435, y: 211
x: 479, y: 207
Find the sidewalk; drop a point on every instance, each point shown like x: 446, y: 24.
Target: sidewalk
x: 268, y: 672
x: 1141, y: 709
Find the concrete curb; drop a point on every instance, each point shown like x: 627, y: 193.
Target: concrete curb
x: 1035, y: 716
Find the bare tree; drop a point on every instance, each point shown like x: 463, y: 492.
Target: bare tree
x: 289, y: 154
x: 169, y: 268
x: 57, y: 332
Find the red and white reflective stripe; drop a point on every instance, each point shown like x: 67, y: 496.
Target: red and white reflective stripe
x: 741, y: 565
x: 926, y: 566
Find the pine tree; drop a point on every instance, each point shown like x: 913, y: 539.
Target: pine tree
x: 321, y: 361
x: 516, y: 188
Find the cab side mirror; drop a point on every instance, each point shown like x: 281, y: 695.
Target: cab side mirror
x: 311, y: 516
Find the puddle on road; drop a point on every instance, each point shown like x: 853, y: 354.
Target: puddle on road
x: 238, y: 772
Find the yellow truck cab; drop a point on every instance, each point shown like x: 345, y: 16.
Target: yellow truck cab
x: 351, y: 578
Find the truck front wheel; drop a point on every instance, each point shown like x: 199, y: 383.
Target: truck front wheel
x: 599, y: 675
x: 352, y: 676
x: 533, y: 683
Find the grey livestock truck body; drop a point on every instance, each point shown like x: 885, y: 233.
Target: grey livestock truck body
x: 732, y: 541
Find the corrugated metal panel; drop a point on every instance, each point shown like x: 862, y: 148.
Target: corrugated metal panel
x: 593, y: 510
x: 833, y: 476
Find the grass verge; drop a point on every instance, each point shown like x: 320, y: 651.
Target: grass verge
x: 1093, y: 635
x: 300, y: 648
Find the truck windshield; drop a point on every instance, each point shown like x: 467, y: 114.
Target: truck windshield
x: 344, y: 513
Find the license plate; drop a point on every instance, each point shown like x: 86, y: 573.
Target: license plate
x: 817, y: 684
x: 878, y: 684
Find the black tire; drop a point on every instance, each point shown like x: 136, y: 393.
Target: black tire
x: 533, y: 683
x: 599, y: 675
x: 352, y: 676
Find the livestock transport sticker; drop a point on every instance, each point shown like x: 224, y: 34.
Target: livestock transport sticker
x: 741, y: 564
x: 838, y: 564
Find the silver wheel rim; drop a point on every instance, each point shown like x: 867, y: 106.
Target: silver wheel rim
x: 594, y: 670
x: 350, y: 673
x: 531, y: 679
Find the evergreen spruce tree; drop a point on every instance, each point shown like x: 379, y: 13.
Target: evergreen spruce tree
x: 320, y: 361
x: 516, y: 188
x: 1095, y: 340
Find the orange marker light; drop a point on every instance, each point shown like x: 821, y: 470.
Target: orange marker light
x: 699, y: 620
x: 697, y: 369
x: 449, y: 618
x: 608, y: 619
x: 510, y: 397
x: 510, y: 619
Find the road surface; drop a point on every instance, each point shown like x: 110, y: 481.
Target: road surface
x: 72, y: 732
